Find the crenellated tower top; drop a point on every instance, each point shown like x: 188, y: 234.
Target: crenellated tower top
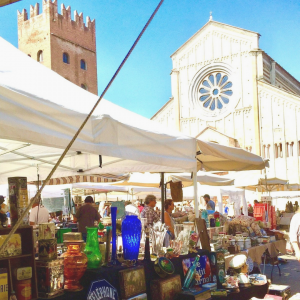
x: 63, y: 44
x: 50, y: 11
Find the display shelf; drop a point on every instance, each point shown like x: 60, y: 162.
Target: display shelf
x: 15, y: 257
x: 26, y: 259
x: 209, y: 228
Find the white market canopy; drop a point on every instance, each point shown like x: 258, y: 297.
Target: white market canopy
x: 203, y: 178
x: 256, y: 182
x: 215, y: 157
x: 6, y: 2
x: 41, y: 111
x: 153, y: 180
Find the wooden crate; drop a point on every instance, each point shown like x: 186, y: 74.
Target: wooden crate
x: 26, y: 259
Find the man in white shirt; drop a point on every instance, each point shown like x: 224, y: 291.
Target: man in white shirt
x: 39, y: 214
x: 295, y: 234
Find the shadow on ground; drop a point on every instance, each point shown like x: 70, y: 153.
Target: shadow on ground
x: 290, y: 273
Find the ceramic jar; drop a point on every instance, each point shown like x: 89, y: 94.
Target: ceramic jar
x: 75, y: 264
x: 247, y: 243
x: 241, y: 244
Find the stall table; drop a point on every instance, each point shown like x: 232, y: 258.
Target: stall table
x: 255, y: 253
x: 111, y: 275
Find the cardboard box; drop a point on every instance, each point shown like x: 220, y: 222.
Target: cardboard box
x: 166, y: 289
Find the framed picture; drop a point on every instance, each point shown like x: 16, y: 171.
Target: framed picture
x: 132, y: 282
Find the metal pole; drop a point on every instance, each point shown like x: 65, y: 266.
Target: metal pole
x: 195, y: 193
x: 162, y: 184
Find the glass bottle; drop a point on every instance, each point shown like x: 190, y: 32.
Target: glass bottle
x: 92, y: 249
x: 113, y: 213
x: 190, y: 274
x: 131, y: 236
x: 75, y: 263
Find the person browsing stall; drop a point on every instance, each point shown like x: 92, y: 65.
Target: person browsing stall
x: 86, y: 215
x: 169, y: 221
x: 39, y: 214
x: 210, y: 205
x: 148, y: 211
x: 295, y: 234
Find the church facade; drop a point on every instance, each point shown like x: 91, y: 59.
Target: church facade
x: 225, y: 89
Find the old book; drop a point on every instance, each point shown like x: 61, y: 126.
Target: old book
x: 195, y: 294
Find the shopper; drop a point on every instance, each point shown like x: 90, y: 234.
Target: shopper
x: 295, y: 234
x: 86, y: 215
x: 210, y: 205
x: 169, y: 221
x: 148, y: 211
x: 139, y: 206
x: 38, y: 214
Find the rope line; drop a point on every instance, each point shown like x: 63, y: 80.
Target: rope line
x: 13, y: 230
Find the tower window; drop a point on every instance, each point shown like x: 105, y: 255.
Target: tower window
x: 40, y: 57
x: 66, y: 58
x: 83, y: 64
x: 84, y: 86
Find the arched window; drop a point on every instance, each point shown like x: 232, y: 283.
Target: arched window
x: 83, y: 64
x: 84, y: 86
x: 40, y: 56
x: 66, y: 58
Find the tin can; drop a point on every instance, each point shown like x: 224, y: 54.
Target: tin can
x: 163, y: 267
x: 72, y: 236
x: 23, y: 289
x: 47, y: 250
x: 23, y: 273
x: 46, y: 231
x: 50, y: 277
x: 18, y: 199
x: 13, y: 247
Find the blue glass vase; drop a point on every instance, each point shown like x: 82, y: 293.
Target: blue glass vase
x: 131, y: 236
x: 113, y: 212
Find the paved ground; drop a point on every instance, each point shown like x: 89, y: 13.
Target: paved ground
x: 290, y: 273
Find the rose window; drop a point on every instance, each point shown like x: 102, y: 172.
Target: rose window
x: 215, y: 91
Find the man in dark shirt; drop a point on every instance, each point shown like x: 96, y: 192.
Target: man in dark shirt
x: 86, y: 215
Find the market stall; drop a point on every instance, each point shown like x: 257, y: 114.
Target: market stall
x: 34, y: 118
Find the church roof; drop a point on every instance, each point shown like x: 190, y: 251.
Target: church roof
x: 214, y: 129
x: 219, y: 24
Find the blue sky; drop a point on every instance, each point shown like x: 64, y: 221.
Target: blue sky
x: 143, y: 85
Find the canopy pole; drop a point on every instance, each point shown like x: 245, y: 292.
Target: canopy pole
x: 162, y: 188
x: 26, y: 211
x: 195, y: 192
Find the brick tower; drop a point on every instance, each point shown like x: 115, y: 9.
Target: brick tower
x: 65, y: 46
